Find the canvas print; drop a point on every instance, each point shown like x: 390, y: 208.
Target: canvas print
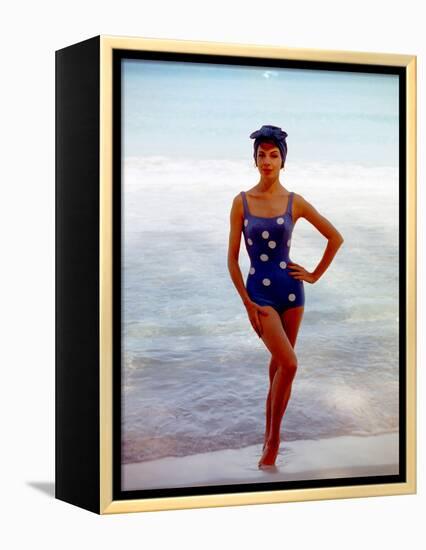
x: 259, y: 274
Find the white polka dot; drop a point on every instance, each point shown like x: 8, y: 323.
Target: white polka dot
x: 292, y: 297
x: 250, y: 241
x: 272, y: 244
x: 280, y: 221
x: 264, y: 257
x: 252, y: 270
x: 283, y: 265
x: 288, y: 243
x: 246, y: 222
x: 266, y: 282
x: 265, y: 234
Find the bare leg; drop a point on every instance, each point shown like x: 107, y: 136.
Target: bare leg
x: 291, y: 320
x: 280, y: 337
x: 273, y: 365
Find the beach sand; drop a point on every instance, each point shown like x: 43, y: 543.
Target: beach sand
x: 340, y: 457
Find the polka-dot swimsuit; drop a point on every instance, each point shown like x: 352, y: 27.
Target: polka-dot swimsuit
x: 268, y: 243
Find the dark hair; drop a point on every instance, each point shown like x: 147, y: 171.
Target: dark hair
x: 269, y: 134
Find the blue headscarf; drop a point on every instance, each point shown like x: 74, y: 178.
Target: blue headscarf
x: 274, y: 133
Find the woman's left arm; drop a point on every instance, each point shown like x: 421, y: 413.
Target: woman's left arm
x: 305, y: 210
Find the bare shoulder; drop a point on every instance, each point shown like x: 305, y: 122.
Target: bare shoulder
x: 237, y: 212
x: 298, y: 198
x: 301, y: 206
x: 237, y: 204
x: 298, y: 206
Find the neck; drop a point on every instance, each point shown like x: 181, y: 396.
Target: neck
x: 269, y: 185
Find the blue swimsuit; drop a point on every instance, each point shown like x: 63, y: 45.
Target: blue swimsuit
x: 268, y: 245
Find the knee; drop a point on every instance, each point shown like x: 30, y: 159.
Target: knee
x: 288, y: 365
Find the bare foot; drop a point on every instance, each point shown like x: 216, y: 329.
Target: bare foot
x: 270, y: 452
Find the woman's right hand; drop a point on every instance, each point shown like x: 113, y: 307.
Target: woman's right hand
x: 254, y: 312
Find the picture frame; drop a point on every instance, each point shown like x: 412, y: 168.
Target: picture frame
x: 92, y: 133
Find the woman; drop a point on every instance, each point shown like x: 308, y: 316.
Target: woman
x: 274, y: 292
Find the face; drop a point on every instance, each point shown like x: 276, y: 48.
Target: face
x: 268, y: 159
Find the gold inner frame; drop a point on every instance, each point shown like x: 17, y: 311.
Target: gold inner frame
x: 107, y: 504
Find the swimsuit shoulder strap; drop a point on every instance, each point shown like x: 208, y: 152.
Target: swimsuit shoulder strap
x: 290, y: 202
x: 246, y: 210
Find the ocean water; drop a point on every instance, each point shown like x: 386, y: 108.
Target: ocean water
x: 195, y: 375
x: 207, y: 111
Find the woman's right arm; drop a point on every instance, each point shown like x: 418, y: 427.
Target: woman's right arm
x: 236, y: 225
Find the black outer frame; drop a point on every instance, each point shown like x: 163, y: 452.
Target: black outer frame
x: 77, y: 357
x: 77, y: 422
